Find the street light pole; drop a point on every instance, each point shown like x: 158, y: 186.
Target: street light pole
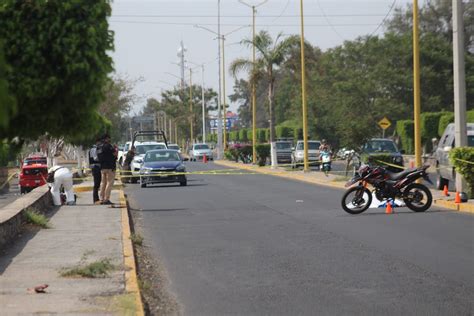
x: 416, y: 84
x: 254, y: 94
x: 191, y: 104
x: 303, y: 92
x: 223, y: 93
x: 203, y: 106
x: 460, y: 133
x: 219, y: 106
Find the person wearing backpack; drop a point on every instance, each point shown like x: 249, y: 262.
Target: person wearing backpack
x: 107, y: 159
x: 95, y: 167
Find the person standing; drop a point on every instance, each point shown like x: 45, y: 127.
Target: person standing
x: 127, y: 164
x: 95, y: 167
x: 107, y: 158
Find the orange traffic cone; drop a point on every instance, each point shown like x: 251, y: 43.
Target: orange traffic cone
x: 445, y: 191
x: 388, y: 208
x: 204, y: 158
x: 457, y: 199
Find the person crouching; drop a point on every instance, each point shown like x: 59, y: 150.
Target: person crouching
x: 61, y: 176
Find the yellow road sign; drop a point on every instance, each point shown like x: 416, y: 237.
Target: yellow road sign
x: 385, y: 123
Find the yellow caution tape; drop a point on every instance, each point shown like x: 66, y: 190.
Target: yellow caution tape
x: 465, y: 161
x: 8, y: 180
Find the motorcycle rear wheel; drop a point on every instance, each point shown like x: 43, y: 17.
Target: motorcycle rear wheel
x: 359, y: 203
x: 417, y: 197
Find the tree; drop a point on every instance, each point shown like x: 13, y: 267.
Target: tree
x: 115, y: 107
x: 7, y: 102
x: 175, y: 103
x: 271, y: 54
x: 58, y: 65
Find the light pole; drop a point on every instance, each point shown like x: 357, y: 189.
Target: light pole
x: 222, y: 78
x: 254, y: 97
x: 460, y: 134
x: 202, y: 101
x: 303, y: 92
x: 416, y: 85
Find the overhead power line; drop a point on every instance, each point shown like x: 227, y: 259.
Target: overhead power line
x: 240, y: 16
x: 236, y: 25
x: 385, y: 18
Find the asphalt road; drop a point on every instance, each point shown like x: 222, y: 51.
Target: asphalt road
x: 261, y: 245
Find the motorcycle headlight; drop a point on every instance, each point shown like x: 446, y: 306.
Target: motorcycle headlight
x: 399, y: 159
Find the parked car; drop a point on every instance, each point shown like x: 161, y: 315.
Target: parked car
x: 377, y: 146
x: 445, y: 170
x: 140, y: 151
x: 174, y: 147
x: 284, y: 150
x: 32, y: 176
x: 160, y: 166
x: 297, y: 157
x: 199, y: 150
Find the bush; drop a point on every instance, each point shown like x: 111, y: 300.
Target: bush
x: 234, y: 136
x: 429, y: 127
x: 462, y: 159
x: 263, y: 152
x: 283, y: 132
x: 444, y: 120
x: 470, y: 116
x: 261, y: 135
x: 405, y: 130
x: 298, y: 133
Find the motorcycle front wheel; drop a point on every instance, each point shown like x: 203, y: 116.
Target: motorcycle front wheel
x: 356, y: 200
x: 417, y: 197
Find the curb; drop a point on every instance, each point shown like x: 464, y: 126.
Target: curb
x: 280, y: 174
x: 131, y: 280
x: 462, y: 207
x: 86, y: 188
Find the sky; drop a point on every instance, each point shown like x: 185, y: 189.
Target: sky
x: 148, y: 34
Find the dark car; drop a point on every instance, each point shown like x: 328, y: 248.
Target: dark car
x: 383, y: 146
x: 162, y: 166
x: 284, y: 151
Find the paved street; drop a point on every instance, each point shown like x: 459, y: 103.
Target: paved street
x: 262, y: 245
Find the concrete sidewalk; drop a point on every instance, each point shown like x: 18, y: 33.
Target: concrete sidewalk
x: 336, y: 181
x: 79, y: 235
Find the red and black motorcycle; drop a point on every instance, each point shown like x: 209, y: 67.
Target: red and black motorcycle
x: 387, y: 186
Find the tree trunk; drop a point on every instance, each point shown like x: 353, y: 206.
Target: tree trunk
x: 273, y: 156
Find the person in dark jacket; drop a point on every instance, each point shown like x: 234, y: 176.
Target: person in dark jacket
x: 107, y: 158
x: 95, y: 167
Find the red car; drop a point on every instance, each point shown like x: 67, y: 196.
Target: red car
x: 32, y: 176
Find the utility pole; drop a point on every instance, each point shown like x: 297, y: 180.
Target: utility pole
x: 191, y: 105
x: 224, y: 103
x: 254, y: 93
x: 203, y: 106
x: 303, y: 93
x: 181, y: 51
x: 460, y: 133
x: 170, y: 130
x: 416, y: 84
x: 219, y: 109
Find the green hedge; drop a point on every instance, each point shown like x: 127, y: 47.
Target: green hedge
x: 243, y: 135
x: 284, y: 132
x: 444, y: 121
x: 462, y: 159
x: 298, y: 133
x: 405, y: 131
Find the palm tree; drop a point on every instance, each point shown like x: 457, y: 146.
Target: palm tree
x: 270, y: 54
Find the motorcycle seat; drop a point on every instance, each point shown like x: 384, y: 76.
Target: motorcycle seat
x: 399, y: 175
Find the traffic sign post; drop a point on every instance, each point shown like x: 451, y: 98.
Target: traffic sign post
x: 384, y: 124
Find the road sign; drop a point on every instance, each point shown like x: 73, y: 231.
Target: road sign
x: 385, y: 123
